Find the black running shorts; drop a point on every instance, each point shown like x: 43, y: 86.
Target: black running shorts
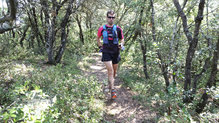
x: 114, y: 57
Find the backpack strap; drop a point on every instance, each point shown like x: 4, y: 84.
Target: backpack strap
x: 105, y: 35
x: 114, y: 27
x: 104, y: 27
x: 115, y: 35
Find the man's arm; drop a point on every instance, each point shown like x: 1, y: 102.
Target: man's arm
x: 99, y: 34
x: 120, y: 35
x: 98, y: 42
x: 122, y: 42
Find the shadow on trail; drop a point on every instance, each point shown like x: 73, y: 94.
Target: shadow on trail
x: 123, y: 109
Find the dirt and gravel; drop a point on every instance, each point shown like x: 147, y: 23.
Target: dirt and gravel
x: 124, y: 109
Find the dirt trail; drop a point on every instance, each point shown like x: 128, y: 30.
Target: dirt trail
x: 124, y: 109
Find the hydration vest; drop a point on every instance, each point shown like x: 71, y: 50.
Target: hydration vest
x: 106, y: 35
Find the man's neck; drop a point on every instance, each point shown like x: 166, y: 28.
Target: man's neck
x: 109, y: 24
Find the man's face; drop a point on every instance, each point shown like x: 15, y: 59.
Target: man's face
x: 110, y: 19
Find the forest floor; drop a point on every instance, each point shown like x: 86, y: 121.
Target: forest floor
x: 124, y: 109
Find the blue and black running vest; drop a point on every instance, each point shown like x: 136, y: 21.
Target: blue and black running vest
x: 106, y: 36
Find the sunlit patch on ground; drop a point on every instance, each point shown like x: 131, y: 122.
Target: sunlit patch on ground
x: 123, y: 109
x: 87, y: 63
x: 38, y: 104
x: 16, y: 69
x: 96, y: 104
x: 96, y: 67
x: 32, y: 107
x: 22, y: 69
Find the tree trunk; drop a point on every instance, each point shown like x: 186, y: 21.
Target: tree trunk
x: 24, y: 35
x: 50, y: 33
x: 143, y: 45
x: 172, y: 58
x: 207, y: 37
x: 152, y: 21
x: 193, y: 41
x: 63, y: 32
x: 211, y: 81
x: 52, y: 28
x: 144, y: 51
x: 6, y: 22
x: 184, y: 20
x: 198, y: 76
x: 163, y: 66
x: 80, y: 29
x: 164, y: 69
x: 34, y: 28
x: 38, y: 35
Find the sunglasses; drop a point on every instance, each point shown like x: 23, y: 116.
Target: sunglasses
x: 111, y: 17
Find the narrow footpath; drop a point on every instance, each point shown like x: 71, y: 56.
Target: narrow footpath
x: 124, y: 109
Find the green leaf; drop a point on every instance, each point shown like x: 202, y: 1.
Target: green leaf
x: 12, y: 111
x: 13, y: 115
x: 5, y: 116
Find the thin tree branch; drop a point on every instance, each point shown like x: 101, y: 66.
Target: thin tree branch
x: 13, y: 10
x: 184, y: 20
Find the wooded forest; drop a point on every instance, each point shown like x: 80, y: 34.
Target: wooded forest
x: 170, y: 63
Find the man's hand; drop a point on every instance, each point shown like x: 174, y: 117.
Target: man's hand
x: 121, y: 47
x: 99, y: 44
x: 101, y: 49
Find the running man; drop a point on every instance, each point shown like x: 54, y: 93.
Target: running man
x: 111, y: 35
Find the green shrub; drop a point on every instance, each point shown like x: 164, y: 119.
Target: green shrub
x: 45, y: 93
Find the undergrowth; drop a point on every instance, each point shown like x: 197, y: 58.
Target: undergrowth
x: 168, y: 106
x: 32, y: 91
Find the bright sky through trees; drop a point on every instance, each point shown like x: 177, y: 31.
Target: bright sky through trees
x: 3, y: 3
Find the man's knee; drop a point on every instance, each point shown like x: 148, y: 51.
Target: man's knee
x: 110, y: 71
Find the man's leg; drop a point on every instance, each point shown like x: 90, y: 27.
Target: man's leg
x: 110, y: 71
x: 115, y: 61
x: 115, y: 67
